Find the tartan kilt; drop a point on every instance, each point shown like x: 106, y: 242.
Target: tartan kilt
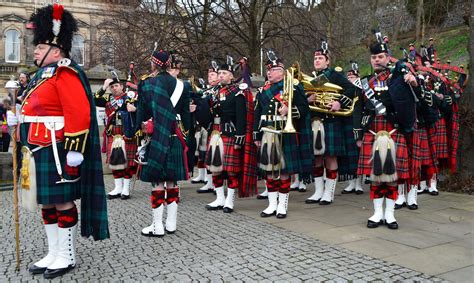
x: 347, y: 164
x: 290, y: 148
x: 334, y: 137
x: 365, y: 158
x: 440, y: 139
x: 415, y: 153
x: 48, y: 192
x: 130, y: 148
x: 174, y: 168
x: 233, y: 158
x: 428, y: 157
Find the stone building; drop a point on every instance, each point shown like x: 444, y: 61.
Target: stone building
x: 16, y: 48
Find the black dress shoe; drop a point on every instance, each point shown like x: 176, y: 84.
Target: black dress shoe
x: 293, y: 189
x: 301, y: 190
x: 208, y: 207
x: 113, y: 196
x: 434, y: 193
x: 281, y: 215
x: 228, y: 210
x: 264, y: 215
x: 198, y: 182
x: 344, y: 192
x: 262, y: 197
x: 413, y: 206
x: 398, y: 206
x: 36, y: 270
x: 373, y: 224
x: 123, y: 197
x: 312, y: 200
x: 204, y: 191
x: 359, y: 192
x: 53, y: 273
x: 393, y: 225
x: 325, y: 202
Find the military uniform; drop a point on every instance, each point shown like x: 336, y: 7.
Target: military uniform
x: 281, y: 154
x: 119, y: 129
x: 61, y: 152
x: 164, y: 104
x: 332, y: 134
x: 384, y: 151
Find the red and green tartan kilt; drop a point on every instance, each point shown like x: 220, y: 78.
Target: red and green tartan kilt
x: 380, y: 123
x: 453, y: 139
x: 428, y: 157
x: 130, y: 148
x: 440, y: 139
x: 233, y: 158
x: 48, y: 192
x: 415, y: 154
x: 334, y: 137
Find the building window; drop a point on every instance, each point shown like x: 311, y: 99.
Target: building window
x: 12, y: 46
x: 107, y: 50
x: 77, y: 49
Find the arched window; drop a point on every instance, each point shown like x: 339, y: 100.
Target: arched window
x: 12, y: 46
x: 107, y: 50
x: 77, y: 49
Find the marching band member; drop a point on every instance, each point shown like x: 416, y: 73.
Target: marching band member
x: 205, y: 134
x: 330, y: 137
x: 61, y: 152
x: 281, y: 153
x: 119, y: 135
x: 384, y: 152
x: 228, y: 111
x: 163, y: 112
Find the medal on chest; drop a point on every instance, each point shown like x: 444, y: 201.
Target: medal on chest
x: 380, y: 86
x: 48, y: 72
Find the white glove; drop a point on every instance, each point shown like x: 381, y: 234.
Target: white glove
x: 12, y: 119
x: 74, y: 158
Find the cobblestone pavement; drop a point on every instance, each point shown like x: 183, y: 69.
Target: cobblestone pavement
x: 208, y: 246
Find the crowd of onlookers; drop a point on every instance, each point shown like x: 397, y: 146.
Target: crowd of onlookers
x: 6, y: 108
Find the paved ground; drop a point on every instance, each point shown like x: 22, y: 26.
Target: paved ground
x: 313, y: 243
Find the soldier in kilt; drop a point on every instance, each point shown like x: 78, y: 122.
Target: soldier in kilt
x: 205, y: 175
x: 384, y: 152
x: 227, y: 109
x: 119, y: 138
x: 163, y: 112
x: 61, y: 151
x: 281, y: 154
x: 331, y: 132
x: 352, y: 157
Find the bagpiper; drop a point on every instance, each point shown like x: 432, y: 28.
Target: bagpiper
x: 61, y: 153
x: 119, y: 134
x: 386, y: 114
x: 163, y: 113
x: 282, y: 134
x: 228, y: 112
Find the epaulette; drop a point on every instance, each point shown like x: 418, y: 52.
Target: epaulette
x: 65, y: 63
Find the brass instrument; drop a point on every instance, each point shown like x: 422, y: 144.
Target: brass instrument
x: 325, y: 93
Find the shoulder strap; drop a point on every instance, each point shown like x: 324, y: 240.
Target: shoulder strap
x: 178, y: 90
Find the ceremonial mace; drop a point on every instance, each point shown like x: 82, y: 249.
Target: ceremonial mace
x: 11, y: 87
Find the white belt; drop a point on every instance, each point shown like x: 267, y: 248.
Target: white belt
x: 272, y: 118
x: 217, y: 120
x: 41, y: 119
x: 178, y: 117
